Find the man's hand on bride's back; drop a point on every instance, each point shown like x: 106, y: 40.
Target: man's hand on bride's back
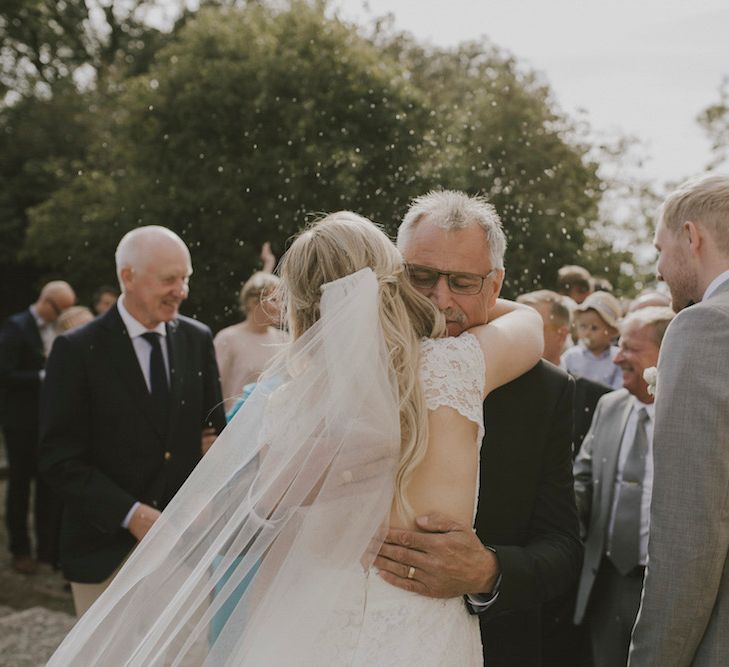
x: 446, y: 560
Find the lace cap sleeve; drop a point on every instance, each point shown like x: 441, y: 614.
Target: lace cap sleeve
x: 453, y: 373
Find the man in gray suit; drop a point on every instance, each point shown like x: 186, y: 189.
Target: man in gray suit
x: 684, y: 615
x: 613, y: 477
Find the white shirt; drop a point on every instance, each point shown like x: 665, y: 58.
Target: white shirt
x: 142, y: 348
x: 716, y: 284
x: 645, y: 511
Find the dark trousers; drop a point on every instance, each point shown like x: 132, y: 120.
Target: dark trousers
x: 611, y: 614
x: 22, y: 452
x: 563, y: 643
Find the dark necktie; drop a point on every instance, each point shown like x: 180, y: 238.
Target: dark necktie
x: 160, y: 391
x: 625, y: 542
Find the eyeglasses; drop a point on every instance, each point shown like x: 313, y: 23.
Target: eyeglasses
x: 425, y: 277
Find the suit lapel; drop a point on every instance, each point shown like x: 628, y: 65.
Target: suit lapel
x: 177, y: 354
x: 124, y: 359
x: 609, y: 468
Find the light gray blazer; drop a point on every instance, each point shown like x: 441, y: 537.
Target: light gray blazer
x: 684, y: 615
x: 595, y: 468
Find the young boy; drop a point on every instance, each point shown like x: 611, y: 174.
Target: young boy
x: 596, y: 320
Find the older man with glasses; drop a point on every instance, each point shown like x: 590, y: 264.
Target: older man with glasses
x: 526, y: 547
x: 25, y: 342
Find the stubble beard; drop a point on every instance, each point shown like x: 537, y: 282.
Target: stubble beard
x: 684, y: 287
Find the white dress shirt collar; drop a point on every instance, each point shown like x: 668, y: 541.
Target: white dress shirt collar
x: 134, y: 327
x: 650, y: 408
x: 715, y: 284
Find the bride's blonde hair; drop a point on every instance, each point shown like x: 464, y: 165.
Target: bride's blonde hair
x: 338, y: 245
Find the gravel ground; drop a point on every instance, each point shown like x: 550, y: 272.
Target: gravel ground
x: 36, y: 611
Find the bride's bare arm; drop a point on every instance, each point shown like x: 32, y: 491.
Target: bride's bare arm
x: 512, y: 341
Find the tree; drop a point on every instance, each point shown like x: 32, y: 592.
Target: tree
x: 252, y: 118
x: 43, y: 42
x: 715, y: 122
x: 497, y: 132
x: 245, y: 125
x: 42, y: 144
x: 58, y: 60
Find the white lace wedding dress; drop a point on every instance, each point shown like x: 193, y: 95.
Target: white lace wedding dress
x: 385, y: 626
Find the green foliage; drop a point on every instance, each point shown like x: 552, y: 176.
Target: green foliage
x: 244, y: 126
x: 715, y: 122
x: 44, y: 42
x: 496, y: 133
x: 252, y: 119
x: 42, y: 144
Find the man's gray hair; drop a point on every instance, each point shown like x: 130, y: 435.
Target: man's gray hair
x: 657, y: 317
x: 559, y: 313
x: 135, y: 245
x: 703, y: 200
x: 453, y: 210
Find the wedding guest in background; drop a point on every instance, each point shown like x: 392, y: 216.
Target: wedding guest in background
x: 244, y: 349
x: 73, y: 317
x: 649, y: 298
x: 130, y: 403
x: 556, y: 316
x: 613, y: 481
x: 25, y: 341
x: 596, y: 322
x: 684, y: 612
x: 574, y: 282
x: 104, y: 298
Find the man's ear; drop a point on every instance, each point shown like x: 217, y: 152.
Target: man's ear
x: 696, y: 236
x: 497, y: 283
x: 127, y: 277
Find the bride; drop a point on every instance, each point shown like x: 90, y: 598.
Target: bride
x: 367, y: 419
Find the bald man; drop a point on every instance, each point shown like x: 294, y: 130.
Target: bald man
x: 25, y: 341
x: 130, y: 404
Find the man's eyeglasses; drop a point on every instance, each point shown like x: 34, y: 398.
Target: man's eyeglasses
x: 424, y: 277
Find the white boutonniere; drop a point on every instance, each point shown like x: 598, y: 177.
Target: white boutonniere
x: 650, y: 375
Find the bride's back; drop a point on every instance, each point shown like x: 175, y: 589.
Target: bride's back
x: 446, y: 479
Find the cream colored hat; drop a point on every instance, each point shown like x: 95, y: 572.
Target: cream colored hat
x: 606, y: 306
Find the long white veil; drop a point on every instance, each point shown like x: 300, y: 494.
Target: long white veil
x: 258, y: 556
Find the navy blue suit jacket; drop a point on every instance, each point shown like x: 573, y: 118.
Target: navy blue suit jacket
x: 21, y: 359
x: 526, y: 508
x: 102, y: 448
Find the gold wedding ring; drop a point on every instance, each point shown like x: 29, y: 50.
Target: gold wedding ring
x: 411, y: 572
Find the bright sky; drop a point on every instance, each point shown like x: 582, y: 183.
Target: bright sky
x: 643, y: 67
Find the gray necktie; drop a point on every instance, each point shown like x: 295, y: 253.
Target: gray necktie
x: 625, y: 543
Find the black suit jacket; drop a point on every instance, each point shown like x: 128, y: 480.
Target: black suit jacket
x: 526, y: 508
x: 101, y: 447
x: 21, y: 359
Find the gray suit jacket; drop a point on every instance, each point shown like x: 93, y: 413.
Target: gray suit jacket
x: 594, y: 471
x: 684, y: 615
